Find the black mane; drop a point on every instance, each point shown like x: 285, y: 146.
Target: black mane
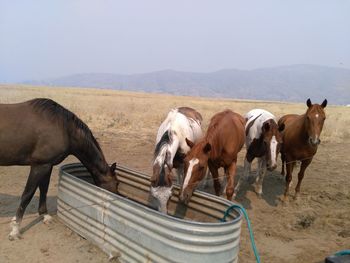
x: 69, y: 119
x: 164, y: 140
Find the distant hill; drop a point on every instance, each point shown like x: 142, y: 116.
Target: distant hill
x: 285, y: 83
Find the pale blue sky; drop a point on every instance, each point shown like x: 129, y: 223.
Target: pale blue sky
x: 44, y: 39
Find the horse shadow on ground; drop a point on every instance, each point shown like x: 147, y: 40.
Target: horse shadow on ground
x: 273, y: 188
x: 10, y: 203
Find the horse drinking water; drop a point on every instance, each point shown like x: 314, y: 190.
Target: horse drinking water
x: 263, y: 141
x: 301, y: 138
x: 171, y: 148
x: 218, y: 148
x: 41, y: 133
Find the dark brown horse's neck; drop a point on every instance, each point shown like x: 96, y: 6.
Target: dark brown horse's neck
x: 92, y: 158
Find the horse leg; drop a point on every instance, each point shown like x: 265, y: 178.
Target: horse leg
x: 231, y: 173
x: 289, y: 168
x: 43, y: 187
x: 260, y: 178
x: 244, y: 177
x: 301, y: 173
x: 215, y: 174
x: 35, y: 176
x: 283, y: 159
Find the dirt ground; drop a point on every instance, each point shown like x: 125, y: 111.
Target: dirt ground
x: 306, y: 230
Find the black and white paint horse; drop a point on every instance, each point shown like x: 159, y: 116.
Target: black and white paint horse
x: 263, y: 141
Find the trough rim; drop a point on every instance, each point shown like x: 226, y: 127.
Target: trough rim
x: 144, y: 176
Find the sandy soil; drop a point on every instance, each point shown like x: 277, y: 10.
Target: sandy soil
x: 306, y: 230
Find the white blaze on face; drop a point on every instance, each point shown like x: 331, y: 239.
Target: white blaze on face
x: 273, y: 149
x: 193, y: 162
x: 316, y: 115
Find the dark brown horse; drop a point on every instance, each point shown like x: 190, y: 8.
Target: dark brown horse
x: 301, y: 137
x: 219, y: 148
x: 41, y: 133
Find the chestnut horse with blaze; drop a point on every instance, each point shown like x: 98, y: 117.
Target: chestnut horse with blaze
x: 218, y: 148
x: 301, y: 138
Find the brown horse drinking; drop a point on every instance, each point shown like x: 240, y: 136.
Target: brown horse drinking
x: 41, y: 133
x: 219, y: 148
x: 301, y: 137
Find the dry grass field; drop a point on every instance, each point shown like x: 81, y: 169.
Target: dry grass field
x: 125, y: 124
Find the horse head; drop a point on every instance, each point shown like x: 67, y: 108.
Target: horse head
x: 162, y: 172
x: 195, y: 166
x: 110, y: 181
x: 314, y: 120
x: 272, y: 139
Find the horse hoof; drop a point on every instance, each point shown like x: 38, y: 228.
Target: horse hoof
x: 284, y: 199
x: 13, y: 237
x: 15, y: 233
x: 47, y: 219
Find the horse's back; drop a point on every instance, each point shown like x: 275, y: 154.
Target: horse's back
x: 254, y: 122
x: 28, y: 134
x: 287, y: 119
x: 180, y: 125
x: 191, y: 113
x: 228, y: 128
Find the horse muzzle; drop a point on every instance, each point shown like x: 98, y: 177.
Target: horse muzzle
x: 271, y: 167
x: 185, y: 197
x: 314, y: 141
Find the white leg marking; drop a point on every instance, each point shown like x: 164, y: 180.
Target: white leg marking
x: 47, y: 219
x: 193, y: 162
x: 260, y: 177
x: 15, y: 233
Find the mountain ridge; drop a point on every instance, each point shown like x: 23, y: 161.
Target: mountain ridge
x: 284, y: 83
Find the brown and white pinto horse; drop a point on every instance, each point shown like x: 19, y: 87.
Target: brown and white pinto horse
x: 219, y: 148
x: 263, y: 141
x: 170, y: 150
x: 300, y: 140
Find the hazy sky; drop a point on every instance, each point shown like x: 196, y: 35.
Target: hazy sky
x: 43, y: 39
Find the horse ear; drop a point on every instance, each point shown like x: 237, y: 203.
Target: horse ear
x: 266, y: 126
x: 113, y: 167
x: 207, y: 148
x: 308, y: 103
x: 324, y: 103
x: 281, y: 127
x: 189, y: 143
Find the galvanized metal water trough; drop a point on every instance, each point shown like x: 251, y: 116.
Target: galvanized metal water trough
x: 128, y: 226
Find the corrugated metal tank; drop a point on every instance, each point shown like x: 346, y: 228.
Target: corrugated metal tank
x: 128, y: 226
